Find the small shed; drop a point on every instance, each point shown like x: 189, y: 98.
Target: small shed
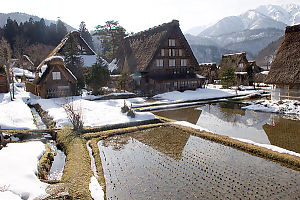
x: 3, y: 83
x: 53, y: 80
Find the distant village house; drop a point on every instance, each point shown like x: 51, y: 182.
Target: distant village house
x: 160, y: 60
x: 244, y: 70
x: 208, y: 70
x: 285, y: 69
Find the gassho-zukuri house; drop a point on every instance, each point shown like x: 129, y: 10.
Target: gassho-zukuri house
x: 285, y: 69
x: 160, y: 60
x: 53, y: 79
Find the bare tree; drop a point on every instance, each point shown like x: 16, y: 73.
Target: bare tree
x: 75, y: 116
x: 5, y: 53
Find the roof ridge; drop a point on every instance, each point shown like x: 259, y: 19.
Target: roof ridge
x: 153, y: 29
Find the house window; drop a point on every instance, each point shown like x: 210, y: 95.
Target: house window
x: 241, y: 65
x: 162, y: 52
x: 172, y: 63
x: 183, y: 62
x: 180, y: 52
x: 171, y: 43
x: 175, y: 84
x: 56, y: 75
x: 159, y: 62
x: 171, y: 52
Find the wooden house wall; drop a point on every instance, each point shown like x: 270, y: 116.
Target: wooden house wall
x: 282, y: 92
x: 49, y: 88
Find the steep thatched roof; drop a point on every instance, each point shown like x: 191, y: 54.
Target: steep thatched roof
x: 59, y: 49
x: 137, y: 51
x: 49, y: 64
x: 234, y: 60
x: 285, y: 69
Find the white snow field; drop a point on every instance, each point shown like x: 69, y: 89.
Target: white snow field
x: 19, y: 163
x: 95, y: 113
x: 212, y: 91
x: 15, y: 114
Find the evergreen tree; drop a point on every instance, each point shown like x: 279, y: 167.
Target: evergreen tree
x: 97, y: 77
x: 227, y: 76
x: 74, y: 62
x: 61, y: 30
x: 124, y: 80
x: 85, y: 34
x: 111, y: 35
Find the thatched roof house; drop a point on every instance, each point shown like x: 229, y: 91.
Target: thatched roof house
x: 244, y: 70
x: 285, y: 69
x: 54, y: 80
x: 160, y: 58
x: 208, y: 70
x: 85, y: 52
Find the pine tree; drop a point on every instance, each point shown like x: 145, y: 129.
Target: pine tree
x: 97, y: 77
x: 74, y: 62
x: 85, y: 34
x: 227, y: 76
x: 111, y: 35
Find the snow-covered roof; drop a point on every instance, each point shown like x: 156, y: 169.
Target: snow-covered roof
x: 22, y: 72
x: 54, y: 57
x: 71, y: 74
x: 265, y: 72
x: 212, y: 63
x: 199, y: 76
x: 113, y: 65
x: 43, y: 69
x: 240, y: 73
x: 232, y: 54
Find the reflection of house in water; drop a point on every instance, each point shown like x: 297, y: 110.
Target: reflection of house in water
x: 186, y: 114
x: 284, y: 133
x: 167, y: 140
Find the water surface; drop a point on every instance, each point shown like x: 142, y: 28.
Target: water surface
x: 168, y: 163
x: 229, y: 119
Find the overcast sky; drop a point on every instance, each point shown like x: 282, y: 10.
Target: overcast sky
x: 136, y: 15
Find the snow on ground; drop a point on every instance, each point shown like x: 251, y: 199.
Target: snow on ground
x: 202, y: 93
x: 15, y: 114
x: 269, y: 146
x: 22, y: 72
x: 284, y: 106
x: 18, y: 167
x: 95, y: 113
x: 188, y: 124
x: 95, y: 189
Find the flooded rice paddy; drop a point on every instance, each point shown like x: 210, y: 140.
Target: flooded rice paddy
x: 168, y: 163
x: 229, y: 119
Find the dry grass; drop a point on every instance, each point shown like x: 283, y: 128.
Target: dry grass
x: 77, y: 171
x: 105, y: 134
x: 45, y: 163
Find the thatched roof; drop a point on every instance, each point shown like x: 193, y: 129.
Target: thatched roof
x: 48, y: 66
x: 59, y: 49
x: 137, y: 51
x: 234, y: 60
x: 285, y: 69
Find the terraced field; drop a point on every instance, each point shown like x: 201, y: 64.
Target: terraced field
x: 166, y: 163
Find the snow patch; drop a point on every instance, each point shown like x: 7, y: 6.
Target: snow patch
x: 95, y: 189
x: 18, y: 172
x: 268, y: 146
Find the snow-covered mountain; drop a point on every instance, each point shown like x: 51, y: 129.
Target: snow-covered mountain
x: 23, y: 17
x: 249, y: 20
x: 250, y: 31
x: 288, y: 13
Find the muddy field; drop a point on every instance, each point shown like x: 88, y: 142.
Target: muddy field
x: 166, y: 163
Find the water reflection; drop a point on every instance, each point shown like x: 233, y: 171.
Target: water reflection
x: 229, y: 119
x: 167, y: 163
